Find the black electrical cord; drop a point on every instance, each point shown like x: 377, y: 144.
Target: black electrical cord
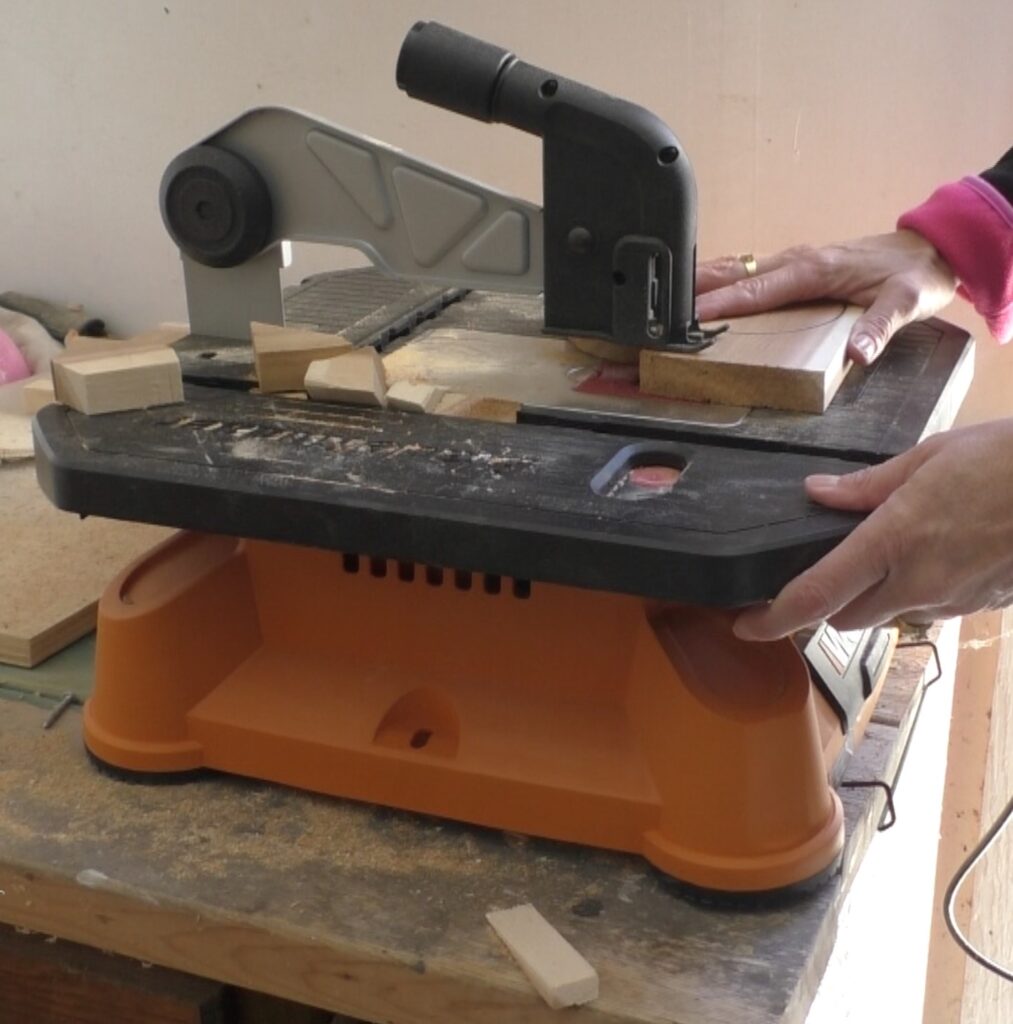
x: 958, y: 880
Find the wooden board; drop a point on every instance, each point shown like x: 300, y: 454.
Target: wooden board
x: 793, y: 359
x: 54, y: 566
x: 381, y: 914
x: 987, y: 997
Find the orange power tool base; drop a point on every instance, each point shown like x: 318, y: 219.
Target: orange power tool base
x: 576, y: 715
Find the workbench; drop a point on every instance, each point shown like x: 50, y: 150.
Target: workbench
x: 380, y: 914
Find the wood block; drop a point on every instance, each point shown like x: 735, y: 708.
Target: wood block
x: 137, y: 378
x: 37, y: 393
x: 559, y: 973
x: 414, y: 397
x: 56, y: 982
x: 282, y: 355
x: 791, y: 359
x: 355, y: 377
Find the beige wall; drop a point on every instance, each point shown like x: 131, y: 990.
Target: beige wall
x: 803, y: 118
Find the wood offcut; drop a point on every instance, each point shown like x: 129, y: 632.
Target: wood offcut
x: 561, y: 976
x: 354, y: 377
x: 282, y: 355
x: 793, y: 359
x: 136, y: 378
x: 414, y: 397
x: 37, y: 393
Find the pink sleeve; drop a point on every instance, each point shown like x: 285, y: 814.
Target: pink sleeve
x: 971, y: 224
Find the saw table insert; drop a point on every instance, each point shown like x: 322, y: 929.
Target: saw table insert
x: 525, y: 623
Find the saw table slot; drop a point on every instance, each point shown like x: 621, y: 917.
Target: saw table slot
x: 638, y: 471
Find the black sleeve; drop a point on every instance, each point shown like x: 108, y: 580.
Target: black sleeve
x: 1000, y: 177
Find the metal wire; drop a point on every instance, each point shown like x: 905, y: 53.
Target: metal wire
x: 950, y: 899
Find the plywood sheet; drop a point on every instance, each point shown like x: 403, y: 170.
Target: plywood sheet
x: 793, y: 359
x: 53, y: 567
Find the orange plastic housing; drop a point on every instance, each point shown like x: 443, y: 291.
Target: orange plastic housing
x: 583, y: 716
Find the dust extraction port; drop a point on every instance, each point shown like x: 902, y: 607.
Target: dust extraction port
x: 639, y: 472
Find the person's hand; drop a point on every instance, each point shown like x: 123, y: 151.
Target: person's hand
x: 898, y: 277
x: 938, y: 542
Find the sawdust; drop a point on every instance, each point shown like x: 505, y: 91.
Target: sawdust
x: 50, y: 793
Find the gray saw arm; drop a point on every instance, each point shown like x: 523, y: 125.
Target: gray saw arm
x: 275, y: 174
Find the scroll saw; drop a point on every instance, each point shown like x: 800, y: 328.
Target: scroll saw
x: 508, y: 624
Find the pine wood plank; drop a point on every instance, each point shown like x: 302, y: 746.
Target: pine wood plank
x: 981, y: 641
x: 792, y: 359
x: 987, y: 997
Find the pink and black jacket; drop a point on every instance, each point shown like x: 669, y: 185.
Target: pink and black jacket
x: 970, y: 222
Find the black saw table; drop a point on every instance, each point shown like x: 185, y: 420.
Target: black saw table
x: 537, y: 500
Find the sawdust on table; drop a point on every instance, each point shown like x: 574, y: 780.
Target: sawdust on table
x: 50, y: 793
